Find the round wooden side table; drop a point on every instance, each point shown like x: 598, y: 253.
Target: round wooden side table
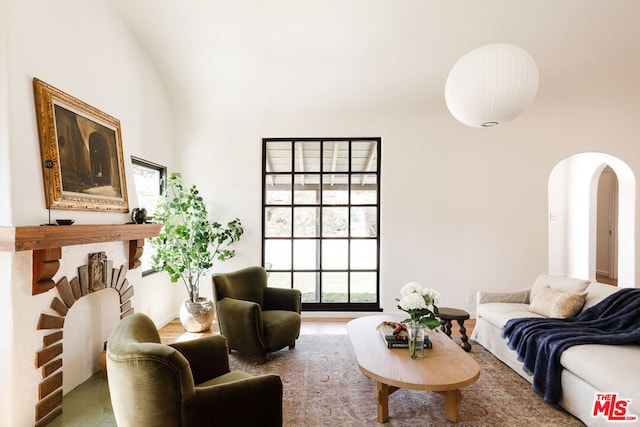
x: 446, y: 315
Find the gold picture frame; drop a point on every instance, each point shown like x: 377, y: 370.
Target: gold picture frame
x: 81, y: 149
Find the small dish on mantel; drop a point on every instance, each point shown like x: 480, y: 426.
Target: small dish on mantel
x: 65, y: 221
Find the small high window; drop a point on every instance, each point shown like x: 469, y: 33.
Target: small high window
x: 150, y: 180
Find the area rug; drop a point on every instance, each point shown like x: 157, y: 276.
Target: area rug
x: 323, y: 387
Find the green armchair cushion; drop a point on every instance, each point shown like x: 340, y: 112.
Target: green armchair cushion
x: 281, y: 328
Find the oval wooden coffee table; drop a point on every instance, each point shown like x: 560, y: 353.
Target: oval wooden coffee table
x: 445, y: 369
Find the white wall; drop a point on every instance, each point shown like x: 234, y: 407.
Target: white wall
x: 84, y: 49
x: 7, y: 343
x: 5, y: 176
x: 462, y: 209
x: 5, y: 208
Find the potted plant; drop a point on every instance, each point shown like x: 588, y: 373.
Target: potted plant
x: 187, y: 245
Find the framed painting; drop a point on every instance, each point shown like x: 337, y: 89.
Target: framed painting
x: 81, y: 149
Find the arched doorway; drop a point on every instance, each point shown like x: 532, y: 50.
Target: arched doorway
x: 573, y: 190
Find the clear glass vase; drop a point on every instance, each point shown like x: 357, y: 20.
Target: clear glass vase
x: 417, y: 336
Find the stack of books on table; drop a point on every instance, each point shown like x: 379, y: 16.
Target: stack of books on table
x: 390, y: 340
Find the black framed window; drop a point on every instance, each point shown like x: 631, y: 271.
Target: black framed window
x: 150, y: 180
x: 321, y: 216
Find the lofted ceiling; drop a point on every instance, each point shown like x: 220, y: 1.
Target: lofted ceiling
x: 285, y: 54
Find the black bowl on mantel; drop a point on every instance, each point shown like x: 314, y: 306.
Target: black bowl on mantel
x: 65, y: 221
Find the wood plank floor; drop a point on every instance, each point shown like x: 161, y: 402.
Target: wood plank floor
x: 605, y: 279
x: 173, y: 331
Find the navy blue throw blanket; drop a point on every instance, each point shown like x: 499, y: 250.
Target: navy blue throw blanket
x: 539, y: 342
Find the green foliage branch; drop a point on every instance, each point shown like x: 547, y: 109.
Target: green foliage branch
x: 188, y: 242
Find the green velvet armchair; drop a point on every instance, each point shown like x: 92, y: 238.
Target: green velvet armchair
x: 183, y: 384
x: 254, y: 318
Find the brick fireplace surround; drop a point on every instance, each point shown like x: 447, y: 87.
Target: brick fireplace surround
x: 46, y: 244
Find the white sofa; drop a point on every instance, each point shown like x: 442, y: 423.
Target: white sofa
x: 588, y: 369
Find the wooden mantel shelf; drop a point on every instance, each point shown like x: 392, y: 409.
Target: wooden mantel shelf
x: 29, y: 238
x: 46, y: 242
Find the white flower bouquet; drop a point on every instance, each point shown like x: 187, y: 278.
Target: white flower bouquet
x: 420, y: 304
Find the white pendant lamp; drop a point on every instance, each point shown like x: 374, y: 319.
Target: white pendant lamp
x: 492, y: 84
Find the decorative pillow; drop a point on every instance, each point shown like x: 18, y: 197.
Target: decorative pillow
x: 552, y: 303
x: 559, y: 283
